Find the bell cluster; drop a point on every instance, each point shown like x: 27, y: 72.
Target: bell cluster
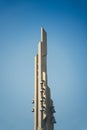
x: 43, y: 96
x: 51, y: 110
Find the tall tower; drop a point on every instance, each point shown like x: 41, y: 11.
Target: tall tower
x: 43, y: 104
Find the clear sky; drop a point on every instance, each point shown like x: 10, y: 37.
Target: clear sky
x: 66, y: 24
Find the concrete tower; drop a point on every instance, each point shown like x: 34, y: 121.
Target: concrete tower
x: 43, y: 104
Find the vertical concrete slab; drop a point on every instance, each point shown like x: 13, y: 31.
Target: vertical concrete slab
x: 42, y: 97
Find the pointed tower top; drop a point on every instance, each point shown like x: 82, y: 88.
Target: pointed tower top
x: 44, y: 41
x: 43, y: 35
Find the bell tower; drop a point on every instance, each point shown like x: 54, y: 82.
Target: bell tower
x: 43, y: 105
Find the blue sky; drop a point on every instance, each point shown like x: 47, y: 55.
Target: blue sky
x: 66, y: 24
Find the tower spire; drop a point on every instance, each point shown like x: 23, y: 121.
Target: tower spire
x: 43, y: 35
x: 43, y: 104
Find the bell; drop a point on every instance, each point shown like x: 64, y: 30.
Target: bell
x: 33, y: 101
x: 42, y: 109
x: 53, y: 120
x: 33, y: 110
x: 42, y: 88
x: 41, y: 91
x: 41, y: 100
x: 42, y: 81
x: 53, y: 110
x: 43, y: 97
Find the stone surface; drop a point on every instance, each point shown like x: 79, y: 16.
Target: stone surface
x: 43, y: 116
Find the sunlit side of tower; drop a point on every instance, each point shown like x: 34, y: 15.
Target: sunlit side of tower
x: 43, y: 104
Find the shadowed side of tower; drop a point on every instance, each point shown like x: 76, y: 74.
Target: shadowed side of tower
x: 43, y: 105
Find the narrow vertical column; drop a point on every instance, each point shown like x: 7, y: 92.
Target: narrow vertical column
x: 42, y: 52
x: 36, y: 94
x: 39, y: 85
